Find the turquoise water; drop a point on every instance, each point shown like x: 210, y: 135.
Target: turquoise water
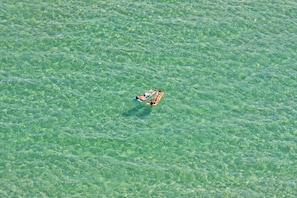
x: 226, y: 126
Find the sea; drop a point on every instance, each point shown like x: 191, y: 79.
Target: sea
x: 225, y: 127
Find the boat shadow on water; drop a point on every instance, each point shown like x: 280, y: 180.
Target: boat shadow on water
x: 140, y: 111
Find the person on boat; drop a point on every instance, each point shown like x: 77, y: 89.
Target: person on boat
x: 155, y: 100
x: 143, y: 97
x: 152, y: 103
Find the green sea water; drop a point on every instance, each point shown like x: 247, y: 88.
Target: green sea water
x: 226, y: 126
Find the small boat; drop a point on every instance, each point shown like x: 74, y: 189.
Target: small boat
x: 156, y: 99
x: 145, y: 96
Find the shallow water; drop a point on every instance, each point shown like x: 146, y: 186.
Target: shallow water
x: 226, y: 126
